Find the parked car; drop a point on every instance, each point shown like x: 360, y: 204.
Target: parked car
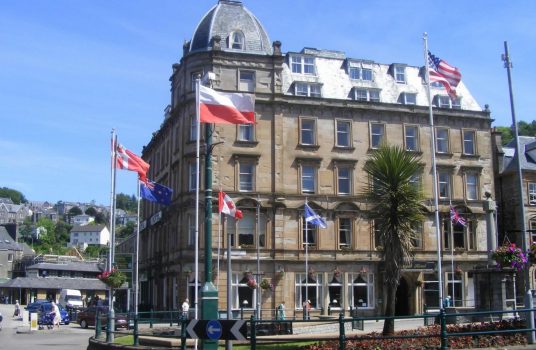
x: 44, y: 311
x: 86, y: 317
x: 34, y: 307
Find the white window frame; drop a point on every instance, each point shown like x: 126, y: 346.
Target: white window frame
x: 399, y: 73
x: 192, y: 136
x: 408, y: 98
x: 238, y: 287
x: 469, y: 142
x: 246, y: 80
x: 307, y: 129
x: 345, y: 228
x: 344, y: 180
x: 237, y: 40
x: 531, y: 191
x: 367, y: 284
x: 413, y: 138
x: 444, y: 184
x: 246, y: 176
x: 246, y: 132
x: 307, y: 89
x: 376, y: 138
x: 308, y: 174
x: 191, y: 230
x: 302, y: 65
x: 316, y: 284
x: 309, y: 235
x: 192, y: 176
x: 364, y: 94
x: 442, y: 143
x: 471, y: 186
x: 360, y: 73
x: 445, y: 101
x: 343, y: 130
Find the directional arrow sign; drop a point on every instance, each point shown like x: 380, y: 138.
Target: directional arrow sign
x: 217, y: 329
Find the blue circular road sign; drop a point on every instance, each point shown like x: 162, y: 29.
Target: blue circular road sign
x: 214, y: 329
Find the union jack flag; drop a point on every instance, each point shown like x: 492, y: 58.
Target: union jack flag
x: 456, y: 218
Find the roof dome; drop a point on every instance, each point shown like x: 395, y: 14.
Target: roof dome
x: 238, y: 28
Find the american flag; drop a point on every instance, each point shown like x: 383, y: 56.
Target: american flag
x: 456, y: 218
x: 444, y: 73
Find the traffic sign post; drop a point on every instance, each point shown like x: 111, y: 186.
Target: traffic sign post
x: 217, y: 329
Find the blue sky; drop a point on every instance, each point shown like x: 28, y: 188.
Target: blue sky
x: 72, y: 70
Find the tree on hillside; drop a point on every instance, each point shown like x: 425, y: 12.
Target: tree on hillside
x: 91, y: 211
x: 16, y: 196
x: 74, y: 211
x: 100, y: 218
x: 396, y: 210
x: 126, y: 230
x: 523, y: 129
x: 126, y: 202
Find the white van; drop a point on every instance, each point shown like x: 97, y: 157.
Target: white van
x: 71, y: 299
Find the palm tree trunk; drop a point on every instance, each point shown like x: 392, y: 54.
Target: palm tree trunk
x: 390, y: 302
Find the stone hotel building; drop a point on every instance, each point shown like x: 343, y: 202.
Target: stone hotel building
x: 319, y: 115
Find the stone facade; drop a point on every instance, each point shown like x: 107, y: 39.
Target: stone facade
x: 313, y: 135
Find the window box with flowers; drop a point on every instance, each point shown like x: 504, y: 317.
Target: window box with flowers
x: 113, y: 278
x: 510, y: 256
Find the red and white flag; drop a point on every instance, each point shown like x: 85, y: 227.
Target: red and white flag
x: 225, y: 108
x: 130, y: 161
x: 227, y: 206
x: 444, y: 73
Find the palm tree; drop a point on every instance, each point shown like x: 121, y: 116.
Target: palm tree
x: 396, y: 211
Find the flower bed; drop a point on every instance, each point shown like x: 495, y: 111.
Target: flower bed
x: 428, y: 338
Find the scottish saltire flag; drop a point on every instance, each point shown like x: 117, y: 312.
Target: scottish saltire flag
x: 156, y: 192
x: 456, y: 218
x: 313, y: 218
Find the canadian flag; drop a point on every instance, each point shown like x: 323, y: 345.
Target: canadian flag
x: 225, y: 108
x: 130, y: 161
x: 227, y: 206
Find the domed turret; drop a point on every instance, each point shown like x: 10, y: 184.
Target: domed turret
x: 238, y: 29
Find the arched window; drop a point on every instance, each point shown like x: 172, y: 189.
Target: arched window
x: 236, y: 40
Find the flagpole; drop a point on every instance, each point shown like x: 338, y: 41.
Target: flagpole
x: 434, y: 172
x: 109, y: 334
x: 197, y: 179
x: 452, y: 257
x: 259, y: 316
x: 306, y: 303
x: 136, y: 288
x: 228, y: 343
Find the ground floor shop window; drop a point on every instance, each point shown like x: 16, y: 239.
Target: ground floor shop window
x: 335, y: 292
x: 309, y: 289
x: 361, y: 290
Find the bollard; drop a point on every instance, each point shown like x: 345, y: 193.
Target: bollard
x: 530, y: 317
x: 151, y: 319
x: 443, y: 322
x: 342, y: 336
x: 136, y: 331
x: 184, y: 321
x: 98, y: 327
x: 253, y: 333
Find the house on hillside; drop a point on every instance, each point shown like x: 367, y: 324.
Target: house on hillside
x: 82, y: 236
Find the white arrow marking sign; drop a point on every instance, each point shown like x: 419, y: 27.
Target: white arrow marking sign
x: 190, y: 329
x: 235, y: 330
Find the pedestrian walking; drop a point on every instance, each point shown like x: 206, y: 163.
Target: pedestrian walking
x: 16, y: 313
x: 57, y: 316
x: 281, y: 311
x: 185, y: 309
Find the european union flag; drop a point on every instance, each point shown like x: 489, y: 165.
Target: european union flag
x: 155, y: 192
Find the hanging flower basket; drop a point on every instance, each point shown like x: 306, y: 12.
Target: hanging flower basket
x: 251, y: 283
x: 266, y: 285
x: 113, y: 278
x: 509, y: 255
x: 337, y: 273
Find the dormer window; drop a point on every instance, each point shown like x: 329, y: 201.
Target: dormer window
x: 400, y: 74
x: 302, y: 64
x: 360, y: 73
x: 407, y: 98
x: 363, y: 94
x: 236, y: 40
x: 444, y: 101
x: 307, y: 89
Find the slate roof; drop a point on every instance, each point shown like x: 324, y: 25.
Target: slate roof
x: 6, y: 242
x: 88, y: 228
x: 223, y: 19
x: 526, y: 143
x: 67, y: 266
x: 55, y: 283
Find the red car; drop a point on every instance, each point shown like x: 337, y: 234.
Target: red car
x: 86, y: 317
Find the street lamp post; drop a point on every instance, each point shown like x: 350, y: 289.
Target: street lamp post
x: 244, y: 304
